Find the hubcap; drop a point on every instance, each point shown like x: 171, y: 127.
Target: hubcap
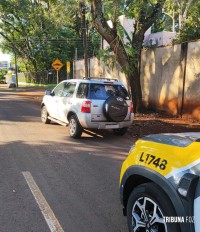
x: 147, y: 216
x: 72, y: 126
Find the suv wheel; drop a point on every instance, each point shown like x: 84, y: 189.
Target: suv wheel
x: 146, y: 209
x: 120, y: 132
x: 75, y: 129
x: 44, y: 115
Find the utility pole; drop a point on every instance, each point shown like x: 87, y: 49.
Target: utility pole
x: 84, y: 33
x: 75, y: 66
x: 16, y: 71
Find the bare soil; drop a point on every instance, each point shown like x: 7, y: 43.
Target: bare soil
x: 153, y: 123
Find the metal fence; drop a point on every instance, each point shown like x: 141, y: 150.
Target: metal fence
x: 41, y: 77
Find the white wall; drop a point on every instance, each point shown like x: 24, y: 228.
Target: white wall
x: 128, y: 25
x: 159, y: 38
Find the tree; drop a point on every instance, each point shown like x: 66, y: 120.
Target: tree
x: 3, y: 72
x: 170, y: 12
x: 145, y: 13
x: 183, y: 8
x: 38, y: 31
x: 189, y: 29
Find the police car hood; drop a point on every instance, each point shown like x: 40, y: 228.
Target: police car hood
x: 175, y: 139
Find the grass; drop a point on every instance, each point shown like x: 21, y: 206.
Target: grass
x: 33, y: 84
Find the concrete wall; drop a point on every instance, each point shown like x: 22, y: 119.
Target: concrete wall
x: 170, y: 79
x: 78, y: 68
x: 160, y: 71
x: 192, y: 81
x: 98, y: 69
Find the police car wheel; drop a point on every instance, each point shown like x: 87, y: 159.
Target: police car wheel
x: 146, y: 209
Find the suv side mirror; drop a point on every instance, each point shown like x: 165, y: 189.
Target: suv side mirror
x: 48, y: 92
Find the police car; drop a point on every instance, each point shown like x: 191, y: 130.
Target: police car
x: 159, y: 184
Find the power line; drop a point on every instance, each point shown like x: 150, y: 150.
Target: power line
x: 52, y: 40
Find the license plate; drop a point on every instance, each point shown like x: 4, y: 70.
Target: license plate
x: 112, y: 126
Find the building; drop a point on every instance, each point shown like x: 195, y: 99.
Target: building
x: 4, y: 64
x: 159, y: 39
x: 150, y: 39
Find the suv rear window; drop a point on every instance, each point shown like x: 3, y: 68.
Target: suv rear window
x: 104, y: 91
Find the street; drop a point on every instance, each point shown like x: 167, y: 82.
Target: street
x: 75, y: 181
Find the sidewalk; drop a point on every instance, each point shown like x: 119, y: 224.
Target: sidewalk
x: 35, y: 93
x: 32, y: 92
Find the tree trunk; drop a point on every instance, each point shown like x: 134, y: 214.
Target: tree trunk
x: 135, y: 86
x: 130, y: 63
x: 136, y: 89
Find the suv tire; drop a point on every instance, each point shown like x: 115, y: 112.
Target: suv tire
x: 44, y: 115
x: 120, y: 131
x: 75, y: 129
x: 115, y: 109
x: 150, y: 200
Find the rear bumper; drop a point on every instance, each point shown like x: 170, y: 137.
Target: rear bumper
x: 85, y: 121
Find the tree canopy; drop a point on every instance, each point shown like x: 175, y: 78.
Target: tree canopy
x: 39, y: 31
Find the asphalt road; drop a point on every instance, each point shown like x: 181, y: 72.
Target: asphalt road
x: 78, y: 179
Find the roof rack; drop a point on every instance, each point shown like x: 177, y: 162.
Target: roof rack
x: 100, y: 78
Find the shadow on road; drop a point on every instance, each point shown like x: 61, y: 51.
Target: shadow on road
x: 73, y: 176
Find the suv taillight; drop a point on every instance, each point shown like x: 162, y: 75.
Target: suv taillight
x: 86, y: 107
x: 131, y: 107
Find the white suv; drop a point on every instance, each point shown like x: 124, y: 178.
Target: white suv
x: 88, y: 103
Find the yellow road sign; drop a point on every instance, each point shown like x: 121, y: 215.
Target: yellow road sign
x: 68, y: 67
x: 57, y: 64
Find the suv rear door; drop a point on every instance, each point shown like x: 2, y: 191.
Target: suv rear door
x: 99, y: 92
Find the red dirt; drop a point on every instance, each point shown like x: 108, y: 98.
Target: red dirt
x: 153, y: 123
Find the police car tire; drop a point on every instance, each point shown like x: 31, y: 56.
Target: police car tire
x: 153, y: 192
x: 115, y: 109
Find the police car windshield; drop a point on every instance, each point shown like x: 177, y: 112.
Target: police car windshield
x: 179, y: 140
